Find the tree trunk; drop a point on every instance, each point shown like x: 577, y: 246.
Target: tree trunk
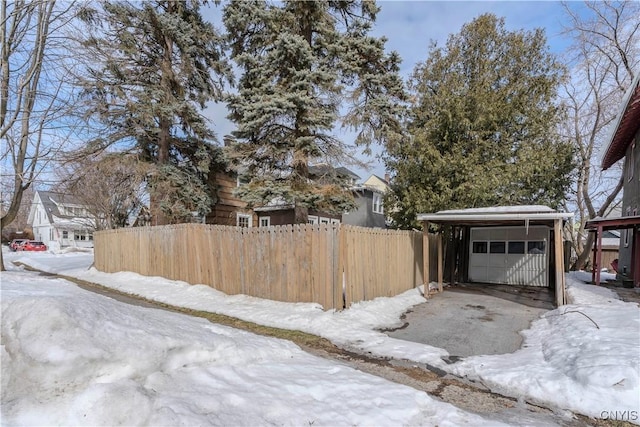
x: 157, y: 216
x: 583, y: 257
x: 301, y: 171
x: 164, y: 137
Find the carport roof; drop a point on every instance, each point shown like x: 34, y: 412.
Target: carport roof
x: 613, y: 223
x: 497, y: 215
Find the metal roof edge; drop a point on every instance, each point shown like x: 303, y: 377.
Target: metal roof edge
x: 498, y: 216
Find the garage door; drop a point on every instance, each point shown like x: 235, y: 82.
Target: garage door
x: 509, y: 255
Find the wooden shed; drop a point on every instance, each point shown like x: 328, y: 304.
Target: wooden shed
x: 512, y: 245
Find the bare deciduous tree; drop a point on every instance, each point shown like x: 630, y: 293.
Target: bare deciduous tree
x: 34, y: 94
x: 111, y: 187
x: 20, y: 222
x: 606, y: 44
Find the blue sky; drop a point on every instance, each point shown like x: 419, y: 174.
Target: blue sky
x: 410, y: 26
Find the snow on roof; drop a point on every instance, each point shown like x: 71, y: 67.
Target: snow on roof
x: 73, y: 223
x: 499, y: 209
x: 496, y: 213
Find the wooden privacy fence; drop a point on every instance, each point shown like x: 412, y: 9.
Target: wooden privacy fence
x: 332, y: 265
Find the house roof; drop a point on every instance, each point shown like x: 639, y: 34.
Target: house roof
x: 324, y: 169
x: 51, y: 201
x: 377, y: 183
x: 497, y: 215
x: 620, y: 223
x: 627, y: 126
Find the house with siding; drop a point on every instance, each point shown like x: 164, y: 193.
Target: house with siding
x: 229, y: 209
x: 624, y: 145
x: 279, y: 212
x: 60, y: 221
x: 369, y: 197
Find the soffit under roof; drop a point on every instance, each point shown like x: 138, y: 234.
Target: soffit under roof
x: 627, y: 127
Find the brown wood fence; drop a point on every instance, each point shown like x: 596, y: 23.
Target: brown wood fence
x: 327, y: 264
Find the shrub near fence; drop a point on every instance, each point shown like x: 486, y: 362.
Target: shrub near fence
x: 293, y: 263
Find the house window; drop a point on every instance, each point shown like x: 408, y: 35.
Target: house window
x: 65, y: 234
x: 377, y: 203
x: 90, y: 236
x: 626, y: 231
x: 631, y: 161
x: 335, y: 221
x: 265, y: 221
x: 479, y: 247
x: 312, y: 219
x: 497, y: 247
x: 243, y: 220
x: 324, y: 220
x: 241, y: 180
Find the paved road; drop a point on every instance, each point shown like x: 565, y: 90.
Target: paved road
x: 468, y: 321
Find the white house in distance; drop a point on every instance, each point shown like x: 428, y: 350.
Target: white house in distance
x: 60, y: 221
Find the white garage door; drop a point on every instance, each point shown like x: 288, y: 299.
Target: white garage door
x: 509, y: 255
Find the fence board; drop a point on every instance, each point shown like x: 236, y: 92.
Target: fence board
x: 332, y: 265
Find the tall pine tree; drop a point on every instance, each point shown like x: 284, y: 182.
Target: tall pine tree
x: 152, y: 70
x: 303, y: 64
x: 483, y: 125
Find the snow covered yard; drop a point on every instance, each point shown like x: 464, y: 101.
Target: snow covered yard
x: 71, y: 357
x: 584, y: 357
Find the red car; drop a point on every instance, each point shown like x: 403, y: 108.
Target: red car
x: 16, y: 244
x: 33, y: 245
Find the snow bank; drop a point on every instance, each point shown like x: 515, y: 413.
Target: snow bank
x: 584, y: 357
x: 71, y: 357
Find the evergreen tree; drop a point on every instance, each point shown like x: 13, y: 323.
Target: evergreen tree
x: 303, y: 63
x: 483, y: 125
x: 153, y: 73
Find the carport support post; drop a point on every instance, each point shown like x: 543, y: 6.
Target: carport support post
x: 425, y: 257
x: 597, y: 259
x: 440, y: 263
x: 559, y: 258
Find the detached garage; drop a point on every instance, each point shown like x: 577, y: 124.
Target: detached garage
x: 513, y: 245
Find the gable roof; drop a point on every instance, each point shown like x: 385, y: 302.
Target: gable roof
x: 322, y: 169
x: 51, y: 200
x: 377, y: 183
x: 627, y: 126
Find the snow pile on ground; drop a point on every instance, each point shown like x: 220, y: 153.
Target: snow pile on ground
x: 582, y: 357
x: 72, y: 357
x: 352, y: 329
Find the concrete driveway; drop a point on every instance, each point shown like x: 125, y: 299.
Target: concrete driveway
x: 471, y: 320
